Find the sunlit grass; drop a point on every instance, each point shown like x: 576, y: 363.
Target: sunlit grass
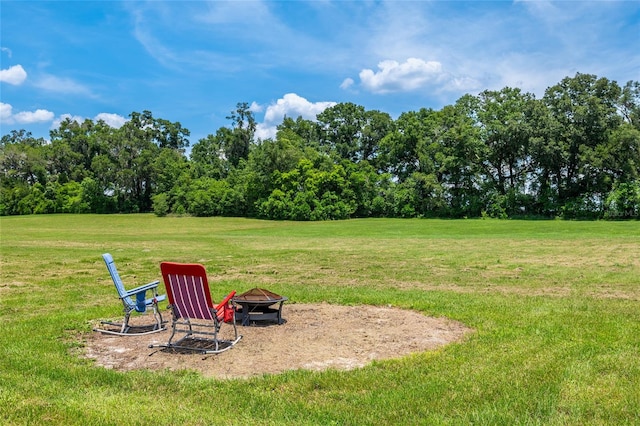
x: 554, y: 306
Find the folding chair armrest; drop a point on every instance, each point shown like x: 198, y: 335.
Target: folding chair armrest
x: 143, y: 288
x: 224, y: 302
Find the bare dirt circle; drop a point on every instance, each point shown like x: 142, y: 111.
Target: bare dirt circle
x: 314, y: 337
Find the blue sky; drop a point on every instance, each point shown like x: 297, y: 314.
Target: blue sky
x: 191, y: 62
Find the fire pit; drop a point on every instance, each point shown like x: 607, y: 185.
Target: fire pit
x: 256, y: 305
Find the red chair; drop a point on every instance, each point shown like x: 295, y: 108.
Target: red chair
x: 194, y: 312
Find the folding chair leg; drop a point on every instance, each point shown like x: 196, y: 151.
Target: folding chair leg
x: 158, y: 316
x: 125, y: 327
x: 186, y: 327
x: 125, y: 323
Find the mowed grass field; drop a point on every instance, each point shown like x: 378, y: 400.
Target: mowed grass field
x: 555, y: 308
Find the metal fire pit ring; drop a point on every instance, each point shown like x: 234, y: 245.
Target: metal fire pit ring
x: 256, y: 305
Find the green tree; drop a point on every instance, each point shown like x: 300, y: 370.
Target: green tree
x: 409, y: 147
x: 583, y: 114
x: 266, y: 160
x: 237, y: 142
x: 73, y: 147
x: 128, y: 167
x: 23, y: 159
x: 505, y: 129
x: 621, y: 160
x: 210, y: 197
x: 161, y: 132
x: 347, y: 131
x: 623, y: 202
x: 367, y: 188
x: 170, y: 135
x: 69, y: 198
x: 168, y: 166
x: 309, y: 193
x: 307, y: 131
x: 376, y: 126
x: 94, y: 195
x: 629, y: 103
x: 458, y: 154
x: 207, y: 156
x: 161, y: 205
x: 341, y: 128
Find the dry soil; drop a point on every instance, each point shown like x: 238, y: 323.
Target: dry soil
x: 314, y: 337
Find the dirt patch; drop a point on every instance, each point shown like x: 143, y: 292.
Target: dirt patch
x: 314, y: 337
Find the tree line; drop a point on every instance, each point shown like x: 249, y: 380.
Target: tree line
x: 573, y: 153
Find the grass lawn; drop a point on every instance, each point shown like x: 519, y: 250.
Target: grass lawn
x: 555, y: 306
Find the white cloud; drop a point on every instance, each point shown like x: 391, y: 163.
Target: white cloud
x: 290, y: 105
x: 293, y: 105
x: 56, y: 123
x: 547, y: 12
x: 461, y: 83
x: 113, y: 120
x: 5, y: 113
x: 264, y: 131
x: 348, y: 82
x: 62, y: 85
x: 23, y: 117
x: 255, y: 107
x: 393, y: 76
x: 6, y: 50
x: 410, y: 76
x: 15, y: 75
x: 37, y: 116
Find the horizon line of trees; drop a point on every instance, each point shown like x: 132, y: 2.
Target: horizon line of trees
x: 574, y: 153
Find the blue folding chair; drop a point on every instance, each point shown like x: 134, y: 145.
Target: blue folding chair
x: 133, y: 300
